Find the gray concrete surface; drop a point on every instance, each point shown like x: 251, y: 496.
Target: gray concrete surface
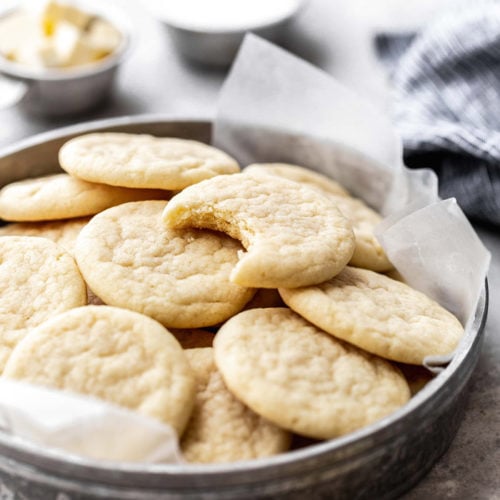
x: 335, y: 35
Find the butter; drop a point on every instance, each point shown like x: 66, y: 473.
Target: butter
x: 102, y: 36
x: 55, y: 12
x: 15, y: 30
x: 62, y: 37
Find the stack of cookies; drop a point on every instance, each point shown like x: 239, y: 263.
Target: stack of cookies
x: 242, y: 308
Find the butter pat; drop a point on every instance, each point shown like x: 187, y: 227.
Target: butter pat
x: 15, y: 31
x: 55, y: 13
x: 103, y: 37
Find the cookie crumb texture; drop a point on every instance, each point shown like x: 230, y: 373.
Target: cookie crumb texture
x: 368, y: 252
x: 301, y: 378
x: 38, y: 279
x: 292, y: 234
x: 113, y: 354
x: 221, y: 428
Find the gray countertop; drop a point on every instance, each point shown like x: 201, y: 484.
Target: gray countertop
x: 335, y: 35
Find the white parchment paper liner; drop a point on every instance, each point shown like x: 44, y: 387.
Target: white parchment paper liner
x: 276, y: 107
x: 84, y: 426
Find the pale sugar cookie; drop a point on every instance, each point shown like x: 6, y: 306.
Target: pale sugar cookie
x: 61, y: 196
x: 180, y: 278
x: 143, y: 161
x: 368, y: 252
x: 293, y: 235
x: 113, y: 354
x: 300, y: 174
x: 62, y: 232
x: 38, y: 279
x: 221, y: 428
x: 378, y: 314
x: 301, y: 378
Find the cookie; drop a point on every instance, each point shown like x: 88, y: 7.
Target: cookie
x: 61, y: 196
x: 368, y: 252
x: 378, y: 314
x: 293, y: 235
x: 180, y: 278
x: 302, y: 379
x: 300, y: 174
x: 38, y: 279
x: 62, y: 232
x: 221, y: 428
x: 116, y: 355
x: 143, y: 161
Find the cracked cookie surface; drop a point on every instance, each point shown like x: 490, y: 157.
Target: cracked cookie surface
x: 301, y: 175
x: 303, y: 379
x: 368, y: 252
x: 378, y: 314
x: 38, y: 279
x: 61, y: 196
x: 221, y: 428
x: 293, y: 235
x: 62, y: 232
x: 143, y: 161
x: 180, y: 278
x: 116, y: 355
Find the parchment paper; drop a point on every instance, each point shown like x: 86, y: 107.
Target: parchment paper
x: 84, y: 426
x: 276, y: 107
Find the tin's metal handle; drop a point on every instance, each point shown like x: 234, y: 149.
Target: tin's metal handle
x: 12, y: 91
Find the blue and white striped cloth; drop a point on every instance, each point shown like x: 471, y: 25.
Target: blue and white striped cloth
x: 446, y: 81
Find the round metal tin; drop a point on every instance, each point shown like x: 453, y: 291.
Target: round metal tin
x: 379, y: 461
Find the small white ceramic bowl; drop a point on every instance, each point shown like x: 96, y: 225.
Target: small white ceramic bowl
x: 58, y: 92
x: 210, y: 32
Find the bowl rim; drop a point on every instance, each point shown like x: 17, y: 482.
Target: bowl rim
x: 53, y: 460
x: 112, y: 15
x: 185, y: 27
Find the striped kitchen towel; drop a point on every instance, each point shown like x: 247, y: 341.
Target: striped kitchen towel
x: 446, y: 82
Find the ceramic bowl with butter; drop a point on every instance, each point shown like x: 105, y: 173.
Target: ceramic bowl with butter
x: 62, y: 60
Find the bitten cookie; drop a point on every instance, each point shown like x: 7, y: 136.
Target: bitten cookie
x: 293, y: 235
x: 221, y: 428
x: 368, y: 252
x: 38, y: 279
x: 61, y: 196
x: 180, y: 278
x: 143, y: 161
x: 378, y: 314
x: 113, y: 354
x: 301, y: 378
